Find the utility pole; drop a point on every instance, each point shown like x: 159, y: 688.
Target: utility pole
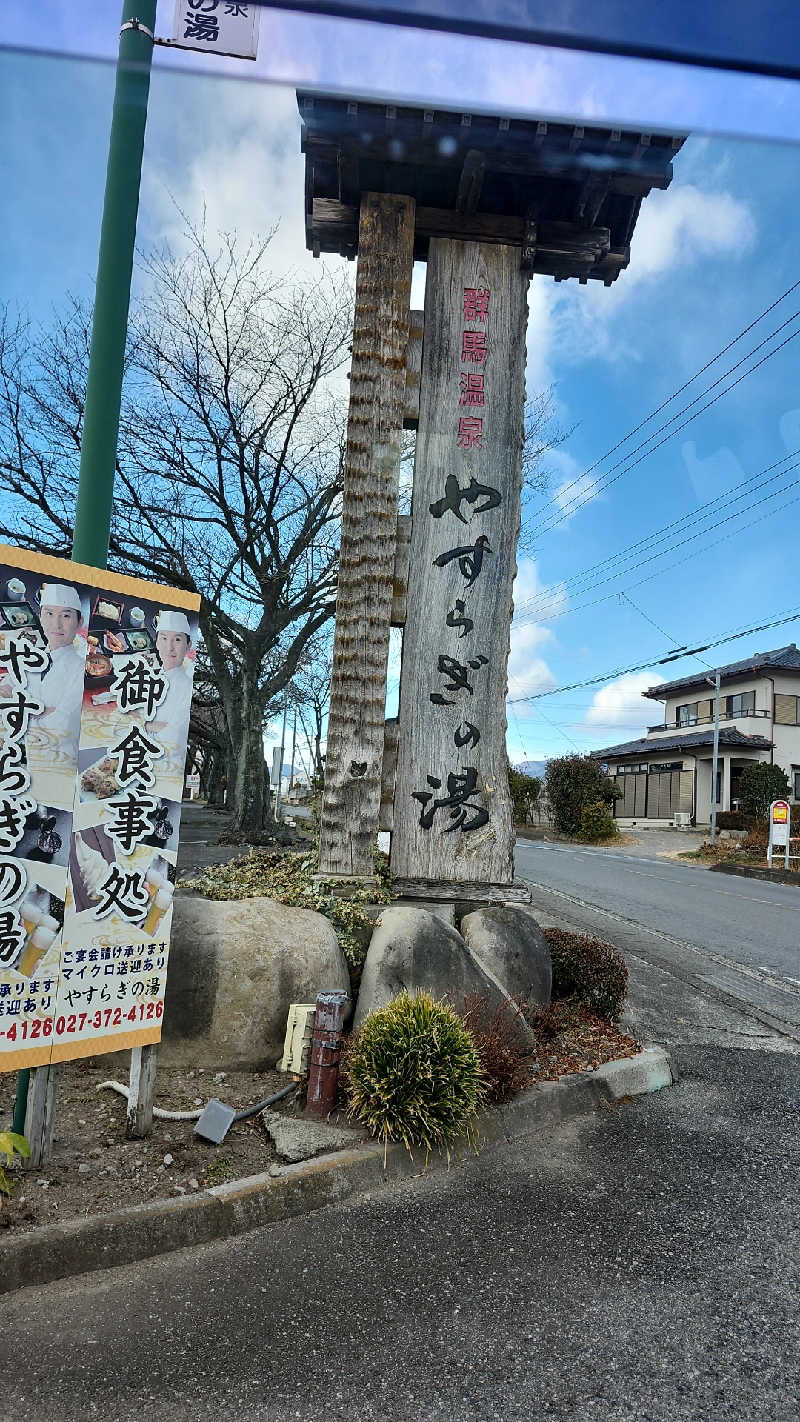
x: 107, y: 357
x: 280, y: 764
x: 113, y: 287
x: 715, y: 758
x: 294, y: 748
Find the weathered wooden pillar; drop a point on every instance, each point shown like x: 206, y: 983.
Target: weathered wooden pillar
x: 452, y: 829
x: 354, y: 760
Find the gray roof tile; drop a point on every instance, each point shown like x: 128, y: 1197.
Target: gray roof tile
x: 693, y: 740
x: 782, y: 659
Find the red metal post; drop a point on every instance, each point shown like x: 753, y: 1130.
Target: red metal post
x: 323, y: 1076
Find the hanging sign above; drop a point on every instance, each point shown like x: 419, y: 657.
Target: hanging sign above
x: 217, y: 26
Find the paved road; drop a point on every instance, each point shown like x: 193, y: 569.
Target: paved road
x: 739, y: 935
x: 643, y: 1263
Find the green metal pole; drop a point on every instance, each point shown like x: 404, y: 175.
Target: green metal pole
x: 112, y: 296
x: 110, y: 323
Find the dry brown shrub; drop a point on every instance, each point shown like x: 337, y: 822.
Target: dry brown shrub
x: 493, y: 1031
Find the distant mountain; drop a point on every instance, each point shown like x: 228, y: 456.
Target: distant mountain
x: 532, y: 767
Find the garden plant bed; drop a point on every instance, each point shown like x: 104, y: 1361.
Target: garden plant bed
x: 90, y: 1126
x: 90, y: 1131
x: 728, y: 858
x: 572, y: 1039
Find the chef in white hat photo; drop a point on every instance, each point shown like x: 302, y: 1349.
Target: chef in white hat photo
x: 173, y: 640
x: 60, y: 685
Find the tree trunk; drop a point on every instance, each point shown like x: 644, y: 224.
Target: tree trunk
x: 250, y: 805
x: 212, y: 775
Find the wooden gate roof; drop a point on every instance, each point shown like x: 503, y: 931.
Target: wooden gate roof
x: 567, y: 194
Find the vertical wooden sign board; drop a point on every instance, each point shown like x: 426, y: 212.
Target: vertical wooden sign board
x: 452, y: 809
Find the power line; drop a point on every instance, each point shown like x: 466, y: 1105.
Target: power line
x: 689, y: 557
x: 669, y: 637
x: 606, y: 483
x: 657, y: 411
x: 792, y: 616
x: 711, y: 509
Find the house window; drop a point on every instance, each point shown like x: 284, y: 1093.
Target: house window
x: 796, y: 782
x: 787, y: 710
x: 718, y: 795
x: 687, y: 714
x: 743, y: 704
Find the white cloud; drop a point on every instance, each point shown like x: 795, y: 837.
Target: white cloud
x: 528, y: 671
x: 550, y: 601
x: 677, y: 228
x: 573, y: 493
x: 621, y: 706
x: 685, y: 223
x: 230, y: 157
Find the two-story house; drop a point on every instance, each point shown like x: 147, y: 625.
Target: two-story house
x: 668, y: 772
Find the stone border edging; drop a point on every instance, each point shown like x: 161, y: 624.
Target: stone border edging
x: 754, y: 871
x: 81, y: 1246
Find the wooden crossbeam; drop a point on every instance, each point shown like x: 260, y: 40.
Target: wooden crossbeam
x: 555, y: 242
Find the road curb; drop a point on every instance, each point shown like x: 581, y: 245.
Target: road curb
x: 754, y: 871
x: 82, y: 1246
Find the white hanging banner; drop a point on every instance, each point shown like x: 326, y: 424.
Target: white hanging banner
x: 217, y: 26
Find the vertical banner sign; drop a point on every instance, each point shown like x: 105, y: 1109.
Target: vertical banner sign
x: 780, y: 829
x: 452, y: 816
x: 95, y: 691
x: 217, y: 26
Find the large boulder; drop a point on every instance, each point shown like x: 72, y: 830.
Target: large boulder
x: 234, y: 969
x: 510, y: 946
x: 415, y: 950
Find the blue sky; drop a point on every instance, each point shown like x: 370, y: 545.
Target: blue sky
x: 708, y: 256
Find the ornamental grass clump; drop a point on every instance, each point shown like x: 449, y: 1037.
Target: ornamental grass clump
x: 413, y: 1075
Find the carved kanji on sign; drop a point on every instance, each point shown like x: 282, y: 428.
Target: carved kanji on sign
x: 470, y: 432
x: 455, y: 496
x: 470, y: 559
x: 472, y: 391
x: 476, y: 303
x: 460, y: 786
x: 473, y: 346
x: 455, y: 641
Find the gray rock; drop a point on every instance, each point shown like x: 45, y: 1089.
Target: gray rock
x: 298, y: 1138
x: 413, y: 949
x: 510, y: 946
x: 234, y: 970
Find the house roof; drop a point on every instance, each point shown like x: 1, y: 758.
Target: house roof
x: 782, y: 659
x: 693, y: 740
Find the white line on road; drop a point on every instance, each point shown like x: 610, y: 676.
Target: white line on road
x: 767, y: 978
x: 723, y: 893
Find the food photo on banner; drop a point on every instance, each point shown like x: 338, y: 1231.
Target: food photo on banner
x: 96, y: 676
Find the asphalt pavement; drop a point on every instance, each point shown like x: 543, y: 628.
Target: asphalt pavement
x: 735, y: 936
x: 641, y: 1263
x: 638, y: 1265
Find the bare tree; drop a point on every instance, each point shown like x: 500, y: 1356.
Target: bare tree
x: 229, y: 466
x: 311, y: 694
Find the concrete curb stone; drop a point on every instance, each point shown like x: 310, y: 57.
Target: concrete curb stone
x: 754, y: 871
x: 126, y: 1236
